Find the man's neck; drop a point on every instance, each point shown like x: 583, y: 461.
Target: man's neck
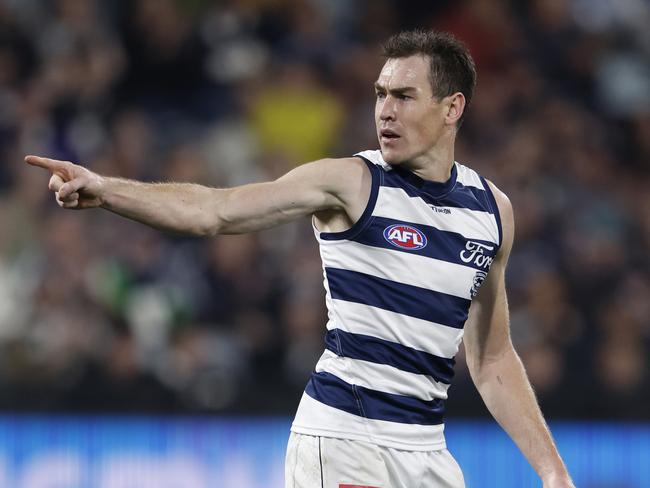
x: 436, y: 164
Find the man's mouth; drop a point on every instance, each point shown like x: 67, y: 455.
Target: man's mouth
x: 388, y: 135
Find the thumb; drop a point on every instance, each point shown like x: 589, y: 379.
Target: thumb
x: 55, y: 183
x: 71, y: 186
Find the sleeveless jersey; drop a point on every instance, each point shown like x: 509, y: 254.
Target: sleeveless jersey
x: 398, y: 285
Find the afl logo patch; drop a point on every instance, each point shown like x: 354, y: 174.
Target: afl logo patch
x: 405, y: 236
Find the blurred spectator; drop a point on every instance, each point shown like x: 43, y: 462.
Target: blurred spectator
x: 297, y: 117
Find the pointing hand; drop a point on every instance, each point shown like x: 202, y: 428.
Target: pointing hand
x: 74, y: 186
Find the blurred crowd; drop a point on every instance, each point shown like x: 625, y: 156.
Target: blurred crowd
x: 98, y: 313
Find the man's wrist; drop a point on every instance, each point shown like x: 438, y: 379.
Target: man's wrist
x: 106, y: 188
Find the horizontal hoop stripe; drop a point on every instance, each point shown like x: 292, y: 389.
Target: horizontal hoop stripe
x: 442, y: 245
x: 435, y: 339
x: 381, y: 377
x: 357, y: 400
x: 396, y: 297
x: 375, y: 350
x: 396, y: 204
x: 317, y: 419
x: 401, y: 266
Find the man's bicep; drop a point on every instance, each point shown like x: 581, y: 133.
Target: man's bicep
x: 312, y: 187
x: 327, y: 183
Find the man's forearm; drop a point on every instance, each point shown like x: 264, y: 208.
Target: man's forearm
x: 177, y: 207
x: 507, y: 393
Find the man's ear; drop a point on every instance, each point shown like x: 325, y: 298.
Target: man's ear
x: 455, y: 108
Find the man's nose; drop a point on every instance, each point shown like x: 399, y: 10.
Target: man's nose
x: 387, y: 109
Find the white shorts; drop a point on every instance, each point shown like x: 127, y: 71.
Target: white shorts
x: 325, y: 462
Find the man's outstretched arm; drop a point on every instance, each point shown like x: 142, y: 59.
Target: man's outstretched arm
x: 330, y: 184
x: 497, y: 370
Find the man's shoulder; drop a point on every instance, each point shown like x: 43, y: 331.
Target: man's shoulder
x: 346, y: 167
x: 341, y: 176
x: 348, y: 179
x: 352, y: 168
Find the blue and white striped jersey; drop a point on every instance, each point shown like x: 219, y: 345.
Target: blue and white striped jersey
x: 399, y: 284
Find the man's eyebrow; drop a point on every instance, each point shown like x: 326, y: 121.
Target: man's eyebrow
x: 398, y: 90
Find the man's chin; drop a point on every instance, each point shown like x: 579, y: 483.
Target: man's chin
x: 392, y: 157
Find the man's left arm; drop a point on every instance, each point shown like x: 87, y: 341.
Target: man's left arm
x: 497, y: 370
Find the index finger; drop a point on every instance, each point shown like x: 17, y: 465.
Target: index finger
x: 47, y: 163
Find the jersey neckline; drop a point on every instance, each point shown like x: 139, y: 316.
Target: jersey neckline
x: 436, y: 189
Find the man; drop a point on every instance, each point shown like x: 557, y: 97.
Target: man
x: 414, y: 248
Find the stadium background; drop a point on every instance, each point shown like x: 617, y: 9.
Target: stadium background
x: 101, y: 317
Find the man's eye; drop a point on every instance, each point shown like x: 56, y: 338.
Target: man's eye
x: 380, y: 95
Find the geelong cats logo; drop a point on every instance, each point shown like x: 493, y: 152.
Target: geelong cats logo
x: 479, y: 278
x: 405, y: 236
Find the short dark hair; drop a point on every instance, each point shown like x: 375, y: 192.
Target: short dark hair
x: 452, y: 68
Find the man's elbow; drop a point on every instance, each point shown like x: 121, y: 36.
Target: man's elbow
x: 203, y: 226
x: 482, y: 365
x: 204, y: 231
x: 217, y: 219
x: 220, y: 224
x: 211, y: 228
